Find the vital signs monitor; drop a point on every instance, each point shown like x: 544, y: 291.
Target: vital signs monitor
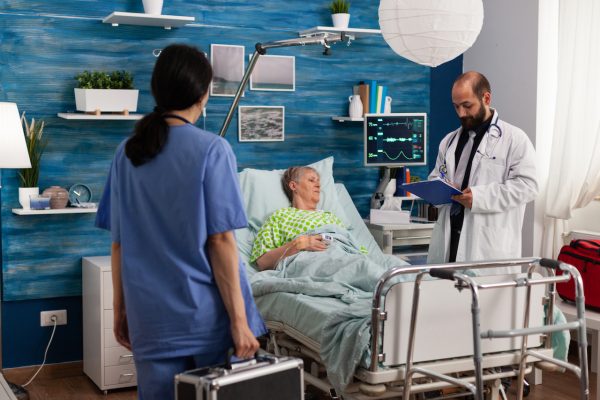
x: 395, y: 140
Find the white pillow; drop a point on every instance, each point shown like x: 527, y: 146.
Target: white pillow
x: 263, y: 193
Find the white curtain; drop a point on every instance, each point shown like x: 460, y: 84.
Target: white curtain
x: 574, y: 172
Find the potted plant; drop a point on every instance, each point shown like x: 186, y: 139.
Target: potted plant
x: 340, y: 13
x: 103, y: 91
x: 35, y: 147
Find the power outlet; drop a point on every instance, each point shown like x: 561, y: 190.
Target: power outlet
x: 46, y: 317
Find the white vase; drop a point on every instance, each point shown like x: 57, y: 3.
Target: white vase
x: 355, y: 109
x: 387, y: 108
x: 25, y: 194
x: 340, y: 20
x: 153, y: 6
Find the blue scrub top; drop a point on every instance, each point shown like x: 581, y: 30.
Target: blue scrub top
x: 162, y: 213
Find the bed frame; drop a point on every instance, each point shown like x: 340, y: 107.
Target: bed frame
x: 435, y: 350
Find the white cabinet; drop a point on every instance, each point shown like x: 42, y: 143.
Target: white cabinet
x: 107, y: 363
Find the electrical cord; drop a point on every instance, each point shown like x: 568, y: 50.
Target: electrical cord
x: 55, y: 320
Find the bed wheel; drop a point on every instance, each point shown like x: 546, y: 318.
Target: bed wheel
x: 372, y: 390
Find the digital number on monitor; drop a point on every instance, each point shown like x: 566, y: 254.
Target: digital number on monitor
x: 395, y: 139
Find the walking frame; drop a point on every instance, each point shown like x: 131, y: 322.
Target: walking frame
x: 454, y: 272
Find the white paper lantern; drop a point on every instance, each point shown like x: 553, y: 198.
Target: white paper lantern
x: 430, y: 32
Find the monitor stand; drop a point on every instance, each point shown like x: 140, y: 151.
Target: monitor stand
x: 377, y: 196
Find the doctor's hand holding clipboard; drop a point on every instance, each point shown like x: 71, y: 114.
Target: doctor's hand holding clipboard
x: 437, y: 192
x: 465, y: 198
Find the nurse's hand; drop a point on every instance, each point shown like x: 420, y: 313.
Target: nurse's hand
x: 466, y: 198
x: 244, y: 341
x: 121, y: 329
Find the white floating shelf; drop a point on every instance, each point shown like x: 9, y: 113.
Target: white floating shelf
x: 68, y: 210
x: 348, y: 119
x: 356, y: 32
x: 107, y: 117
x: 166, y: 21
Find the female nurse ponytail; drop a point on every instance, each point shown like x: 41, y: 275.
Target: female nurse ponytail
x: 180, y: 79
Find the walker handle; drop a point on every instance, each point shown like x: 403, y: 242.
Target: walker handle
x: 442, y: 273
x: 550, y: 263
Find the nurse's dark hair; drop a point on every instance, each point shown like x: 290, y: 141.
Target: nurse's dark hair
x: 293, y: 174
x: 479, y: 83
x: 181, y: 77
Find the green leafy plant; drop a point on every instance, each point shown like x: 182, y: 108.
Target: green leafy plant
x: 339, y: 7
x: 104, y: 80
x: 36, y: 145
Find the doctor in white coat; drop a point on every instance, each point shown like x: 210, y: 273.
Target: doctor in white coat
x: 495, y: 169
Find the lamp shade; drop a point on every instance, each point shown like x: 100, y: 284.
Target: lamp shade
x: 13, y: 150
x: 430, y: 32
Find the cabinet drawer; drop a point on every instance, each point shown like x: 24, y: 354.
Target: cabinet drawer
x: 119, y: 374
x: 109, y: 339
x: 107, y: 290
x: 117, y: 356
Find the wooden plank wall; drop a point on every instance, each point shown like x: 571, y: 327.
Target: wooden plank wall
x: 44, y: 43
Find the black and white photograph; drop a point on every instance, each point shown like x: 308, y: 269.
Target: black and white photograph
x: 228, y: 69
x: 275, y: 73
x: 261, y: 123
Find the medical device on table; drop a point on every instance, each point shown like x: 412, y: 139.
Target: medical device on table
x: 393, y: 140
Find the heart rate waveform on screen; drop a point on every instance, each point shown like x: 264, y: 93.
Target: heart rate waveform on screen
x: 392, y: 140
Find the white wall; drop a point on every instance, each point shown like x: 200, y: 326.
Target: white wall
x: 506, y: 53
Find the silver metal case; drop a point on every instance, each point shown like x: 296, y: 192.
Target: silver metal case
x: 266, y: 377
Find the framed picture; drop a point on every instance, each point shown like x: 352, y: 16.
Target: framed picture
x: 261, y: 123
x: 228, y: 69
x: 277, y: 73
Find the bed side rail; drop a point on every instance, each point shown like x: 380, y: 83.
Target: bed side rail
x: 377, y: 314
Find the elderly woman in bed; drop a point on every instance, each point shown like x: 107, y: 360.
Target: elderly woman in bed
x: 280, y: 236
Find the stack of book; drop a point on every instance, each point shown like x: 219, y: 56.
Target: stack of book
x: 372, y: 96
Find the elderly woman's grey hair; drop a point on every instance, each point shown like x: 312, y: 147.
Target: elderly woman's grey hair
x: 293, y: 174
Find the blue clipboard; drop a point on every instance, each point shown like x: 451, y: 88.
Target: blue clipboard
x: 435, y: 191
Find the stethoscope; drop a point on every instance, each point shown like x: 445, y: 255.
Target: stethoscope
x: 493, y: 125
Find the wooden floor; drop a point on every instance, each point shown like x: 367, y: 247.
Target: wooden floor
x: 67, y: 382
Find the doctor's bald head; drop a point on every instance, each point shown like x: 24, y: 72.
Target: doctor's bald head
x: 471, y: 97
x: 479, y: 84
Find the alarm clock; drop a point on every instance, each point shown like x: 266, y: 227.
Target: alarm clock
x: 80, y: 193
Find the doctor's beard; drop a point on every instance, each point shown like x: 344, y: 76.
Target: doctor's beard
x: 472, y: 122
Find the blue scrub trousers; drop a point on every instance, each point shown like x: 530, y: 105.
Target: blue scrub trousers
x: 156, y: 377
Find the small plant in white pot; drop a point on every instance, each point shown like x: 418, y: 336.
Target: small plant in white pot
x: 28, y: 178
x: 340, y: 13
x: 98, y: 92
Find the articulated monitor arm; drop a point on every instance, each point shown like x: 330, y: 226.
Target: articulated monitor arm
x: 325, y: 39
x: 377, y: 197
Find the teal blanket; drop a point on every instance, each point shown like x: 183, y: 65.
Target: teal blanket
x: 343, y: 272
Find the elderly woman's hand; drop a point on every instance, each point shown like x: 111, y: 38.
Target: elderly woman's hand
x: 310, y: 243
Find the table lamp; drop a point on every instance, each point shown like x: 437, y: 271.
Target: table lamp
x: 13, y: 154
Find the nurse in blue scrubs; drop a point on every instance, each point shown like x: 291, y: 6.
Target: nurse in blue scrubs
x: 181, y: 296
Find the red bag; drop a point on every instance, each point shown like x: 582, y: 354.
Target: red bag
x: 585, y: 256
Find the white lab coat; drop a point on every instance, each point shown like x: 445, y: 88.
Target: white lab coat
x: 503, y: 180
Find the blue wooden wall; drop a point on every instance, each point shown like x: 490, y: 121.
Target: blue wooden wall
x: 44, y: 43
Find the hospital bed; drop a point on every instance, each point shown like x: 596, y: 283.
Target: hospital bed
x: 442, y: 339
